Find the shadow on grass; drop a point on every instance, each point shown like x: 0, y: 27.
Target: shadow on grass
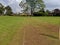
x: 49, y: 36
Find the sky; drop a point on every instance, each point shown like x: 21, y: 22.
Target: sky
x: 14, y: 4
x: 52, y: 4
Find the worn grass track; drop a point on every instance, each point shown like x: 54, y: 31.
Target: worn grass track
x: 29, y: 30
x: 37, y: 33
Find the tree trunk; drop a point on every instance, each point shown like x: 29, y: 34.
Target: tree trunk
x: 32, y: 11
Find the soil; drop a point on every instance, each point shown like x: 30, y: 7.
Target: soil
x: 38, y: 34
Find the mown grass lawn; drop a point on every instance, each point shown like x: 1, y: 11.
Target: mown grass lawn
x: 51, y: 20
x: 10, y: 24
x: 8, y: 27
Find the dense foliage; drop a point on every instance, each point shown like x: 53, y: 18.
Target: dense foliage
x: 55, y: 12
x: 8, y: 10
x: 1, y: 9
x: 29, y: 9
x: 32, y: 5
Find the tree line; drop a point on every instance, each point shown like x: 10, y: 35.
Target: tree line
x: 55, y: 12
x: 30, y: 7
x: 5, y: 10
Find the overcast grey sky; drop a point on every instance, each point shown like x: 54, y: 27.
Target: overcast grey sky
x: 14, y: 4
x: 52, y: 4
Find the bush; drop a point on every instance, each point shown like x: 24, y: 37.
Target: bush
x: 46, y: 14
x: 56, y: 14
x: 38, y: 14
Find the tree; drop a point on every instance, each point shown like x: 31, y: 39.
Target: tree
x: 25, y: 7
x: 1, y: 9
x: 42, y: 10
x: 8, y: 10
x: 56, y: 12
x: 33, y: 4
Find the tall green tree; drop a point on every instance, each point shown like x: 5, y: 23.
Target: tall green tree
x: 8, y: 10
x: 25, y: 6
x: 1, y: 9
x: 33, y: 4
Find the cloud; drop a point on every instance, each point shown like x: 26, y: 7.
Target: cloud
x: 18, y: 1
x: 16, y: 8
x: 14, y: 4
x: 52, y: 4
x: 6, y: 2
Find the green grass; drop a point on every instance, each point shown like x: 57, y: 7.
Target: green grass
x: 9, y: 25
x: 51, y: 20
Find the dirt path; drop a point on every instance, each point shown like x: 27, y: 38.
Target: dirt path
x: 36, y: 34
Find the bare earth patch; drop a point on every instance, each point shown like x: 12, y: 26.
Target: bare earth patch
x: 40, y: 35
x: 36, y: 34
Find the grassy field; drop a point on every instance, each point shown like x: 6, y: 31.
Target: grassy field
x: 9, y: 26
x: 51, y: 20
